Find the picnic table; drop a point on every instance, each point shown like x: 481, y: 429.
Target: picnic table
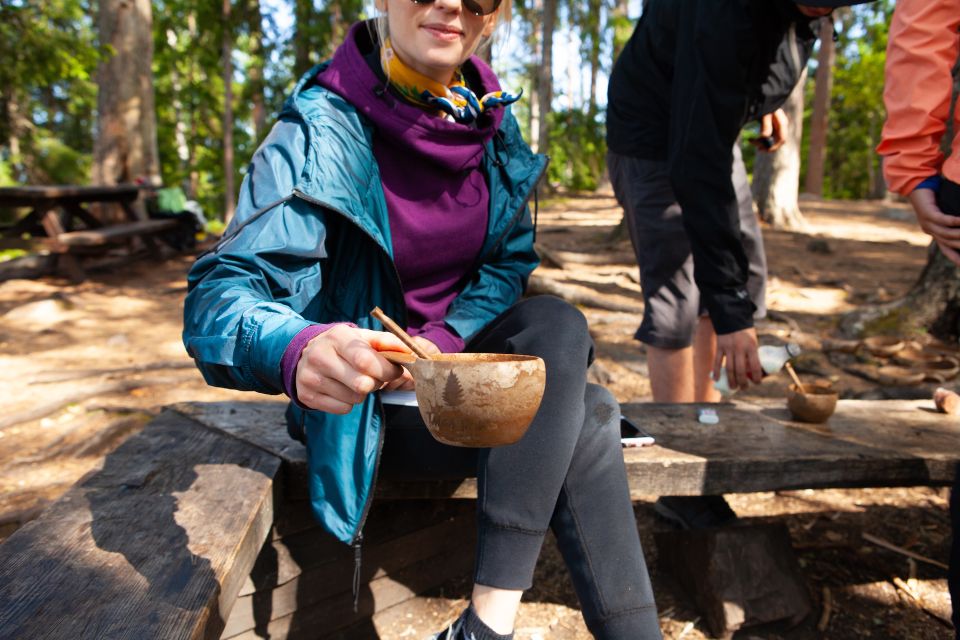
x: 199, y: 525
x: 59, y: 214
x: 67, y: 202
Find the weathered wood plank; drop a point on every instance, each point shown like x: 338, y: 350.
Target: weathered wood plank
x: 327, y: 617
x: 755, y: 447
x: 313, y: 577
x: 758, y: 448
x: 263, y: 425
x: 154, y: 545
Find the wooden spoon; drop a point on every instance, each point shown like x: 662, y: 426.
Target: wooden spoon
x: 796, y: 379
x: 395, y: 329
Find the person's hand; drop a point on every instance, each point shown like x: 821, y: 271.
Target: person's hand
x: 406, y: 382
x: 339, y: 367
x: 773, y: 131
x: 739, y: 351
x: 944, y: 228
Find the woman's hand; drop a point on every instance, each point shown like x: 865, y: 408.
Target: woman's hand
x: 339, y: 367
x: 405, y: 382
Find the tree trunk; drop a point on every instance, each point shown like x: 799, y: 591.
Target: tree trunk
x: 776, y: 176
x: 255, y: 80
x: 227, y: 62
x: 125, y: 148
x: 934, y: 301
x: 821, y: 109
x: 533, y: 16
x: 932, y: 304
x: 596, y: 43
x: 303, y: 14
x: 545, y: 75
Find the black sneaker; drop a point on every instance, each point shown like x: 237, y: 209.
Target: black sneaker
x: 469, y: 627
x: 695, y: 512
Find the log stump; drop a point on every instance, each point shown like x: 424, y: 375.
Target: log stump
x: 737, y: 576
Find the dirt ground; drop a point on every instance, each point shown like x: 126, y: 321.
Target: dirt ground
x: 83, y: 366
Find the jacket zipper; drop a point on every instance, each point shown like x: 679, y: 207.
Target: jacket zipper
x: 357, y: 543
x: 513, y: 221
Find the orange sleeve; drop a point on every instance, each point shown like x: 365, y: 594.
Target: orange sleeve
x: 921, y: 52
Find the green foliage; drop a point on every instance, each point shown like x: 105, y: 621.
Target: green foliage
x: 11, y: 254
x: 47, y: 90
x: 578, y: 150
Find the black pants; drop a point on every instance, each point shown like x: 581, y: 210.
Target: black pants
x: 566, y: 474
x: 949, y: 202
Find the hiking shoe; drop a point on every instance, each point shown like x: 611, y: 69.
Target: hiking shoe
x: 695, y: 512
x: 469, y: 627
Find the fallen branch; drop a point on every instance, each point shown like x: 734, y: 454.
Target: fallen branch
x: 51, y: 406
x: 576, y: 295
x: 824, y: 621
x: 880, y: 542
x: 65, y: 376
x: 779, y: 316
x: 905, y: 589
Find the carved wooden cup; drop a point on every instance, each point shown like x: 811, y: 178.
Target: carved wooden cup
x: 478, y: 399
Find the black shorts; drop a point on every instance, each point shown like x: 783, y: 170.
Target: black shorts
x: 671, y: 298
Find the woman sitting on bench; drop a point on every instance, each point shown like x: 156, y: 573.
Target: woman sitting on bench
x: 397, y: 177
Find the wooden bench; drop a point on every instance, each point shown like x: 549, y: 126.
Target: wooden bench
x: 68, y: 245
x: 198, y: 526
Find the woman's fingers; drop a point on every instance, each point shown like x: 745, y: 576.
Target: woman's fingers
x: 339, y: 367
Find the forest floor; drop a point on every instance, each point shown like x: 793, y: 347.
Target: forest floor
x: 85, y: 365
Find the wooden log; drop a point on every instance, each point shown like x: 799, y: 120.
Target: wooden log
x: 44, y: 409
x: 575, y: 295
x: 154, y: 545
x: 737, y: 576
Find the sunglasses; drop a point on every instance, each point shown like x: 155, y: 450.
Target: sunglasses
x: 477, y: 7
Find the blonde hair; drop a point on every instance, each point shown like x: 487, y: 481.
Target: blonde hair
x: 381, y: 28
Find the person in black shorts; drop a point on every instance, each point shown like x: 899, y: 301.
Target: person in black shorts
x: 690, y: 77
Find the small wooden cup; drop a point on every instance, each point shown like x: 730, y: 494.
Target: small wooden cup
x: 814, y: 402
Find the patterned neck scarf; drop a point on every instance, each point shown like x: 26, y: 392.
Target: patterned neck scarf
x: 456, y: 100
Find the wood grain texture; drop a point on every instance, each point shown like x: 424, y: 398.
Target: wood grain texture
x: 755, y: 447
x: 154, y: 545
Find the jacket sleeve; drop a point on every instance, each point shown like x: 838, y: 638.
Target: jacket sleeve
x: 921, y: 52
x: 245, y: 296
x: 708, y: 103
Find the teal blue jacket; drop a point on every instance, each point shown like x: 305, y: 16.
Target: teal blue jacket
x: 310, y: 243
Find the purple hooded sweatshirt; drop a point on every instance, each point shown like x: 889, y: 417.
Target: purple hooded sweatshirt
x: 436, y: 193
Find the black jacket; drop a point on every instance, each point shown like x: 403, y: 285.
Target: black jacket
x: 691, y: 75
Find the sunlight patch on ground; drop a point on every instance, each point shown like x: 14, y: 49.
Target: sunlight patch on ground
x: 856, y: 220
x: 811, y: 300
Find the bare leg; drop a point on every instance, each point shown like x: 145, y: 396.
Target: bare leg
x: 497, y: 608
x: 671, y: 374
x: 704, y: 351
